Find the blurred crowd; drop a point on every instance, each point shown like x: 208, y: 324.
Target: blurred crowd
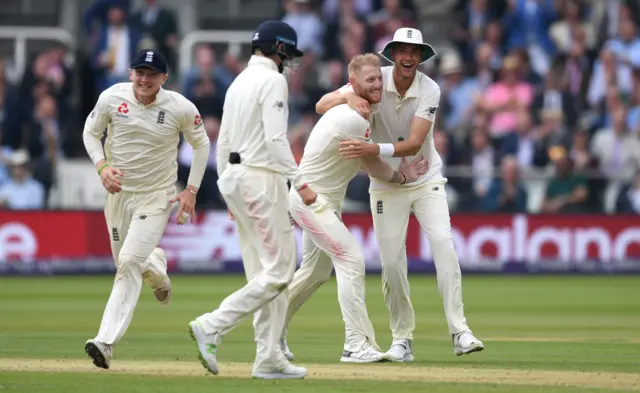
x: 530, y: 89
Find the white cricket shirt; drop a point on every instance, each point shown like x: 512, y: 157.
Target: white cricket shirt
x: 255, y: 119
x: 392, y: 121
x: 325, y: 170
x: 143, y: 140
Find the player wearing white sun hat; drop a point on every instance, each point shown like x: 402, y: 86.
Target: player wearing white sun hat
x: 403, y: 127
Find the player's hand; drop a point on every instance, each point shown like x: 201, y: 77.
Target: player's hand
x: 109, y: 180
x: 356, y: 149
x: 359, y: 104
x: 308, y: 196
x: 187, y: 206
x: 414, y: 169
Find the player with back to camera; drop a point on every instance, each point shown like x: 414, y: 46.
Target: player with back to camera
x: 139, y: 171
x: 254, y: 163
x: 325, y: 237
x: 403, y: 127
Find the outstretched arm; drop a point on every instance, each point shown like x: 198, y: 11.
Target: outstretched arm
x: 379, y: 169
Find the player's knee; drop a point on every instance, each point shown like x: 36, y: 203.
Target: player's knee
x: 129, y: 264
x: 440, y: 239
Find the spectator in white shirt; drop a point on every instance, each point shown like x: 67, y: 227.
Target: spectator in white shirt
x: 21, y: 192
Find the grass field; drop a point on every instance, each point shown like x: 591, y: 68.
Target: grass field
x: 542, y: 334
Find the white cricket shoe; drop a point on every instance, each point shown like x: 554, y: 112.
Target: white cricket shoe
x: 155, y: 275
x: 400, y: 351
x: 465, y: 343
x: 99, y: 352
x: 207, y: 346
x: 286, y: 351
x: 367, y: 354
x: 287, y: 372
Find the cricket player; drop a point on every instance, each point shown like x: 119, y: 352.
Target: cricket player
x: 254, y: 163
x: 139, y: 171
x: 402, y: 127
x: 326, y: 239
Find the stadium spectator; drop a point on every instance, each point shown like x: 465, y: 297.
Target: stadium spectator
x: 629, y: 197
x: 208, y: 196
x: 483, y: 159
x: 528, y: 147
x: 206, y: 84
x: 117, y: 43
x: 456, y: 90
x: 567, y: 192
x: 379, y: 21
x: 471, y: 27
x: 580, y: 153
x: 487, y: 61
x: 564, y: 31
x: 21, y: 191
x: 505, y: 97
x: 633, y: 116
x: 310, y: 31
x: 608, y: 72
x: 506, y: 193
x: 554, y: 97
x: 158, y: 23
x: 96, y: 15
x: 617, y: 151
x: 626, y: 45
x: 527, y: 26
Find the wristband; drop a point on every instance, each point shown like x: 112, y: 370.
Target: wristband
x: 191, y: 191
x: 302, y: 187
x: 386, y: 149
x: 106, y: 164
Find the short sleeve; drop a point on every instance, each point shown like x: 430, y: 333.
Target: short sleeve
x: 192, y: 125
x: 428, y: 105
x: 354, y: 127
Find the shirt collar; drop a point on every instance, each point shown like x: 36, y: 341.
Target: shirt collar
x: 262, y: 61
x: 413, y: 91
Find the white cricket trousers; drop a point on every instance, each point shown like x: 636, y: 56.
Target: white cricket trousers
x: 136, y: 222
x: 391, y: 210
x: 258, y: 200
x: 327, y: 240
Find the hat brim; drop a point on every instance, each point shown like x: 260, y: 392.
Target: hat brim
x: 297, y: 52
x: 149, y: 66
x: 427, y: 50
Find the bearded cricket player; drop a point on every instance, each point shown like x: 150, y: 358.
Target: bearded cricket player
x: 139, y: 171
x: 254, y: 163
x: 326, y: 239
x: 402, y: 127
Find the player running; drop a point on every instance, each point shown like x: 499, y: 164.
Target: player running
x: 402, y: 126
x: 139, y: 171
x: 326, y: 239
x: 253, y: 142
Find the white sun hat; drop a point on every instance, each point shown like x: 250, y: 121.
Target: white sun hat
x: 408, y: 35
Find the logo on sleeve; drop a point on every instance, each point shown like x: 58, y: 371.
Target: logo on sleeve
x: 432, y: 110
x: 123, y: 109
x: 367, y: 134
x: 279, y: 105
x: 197, y: 121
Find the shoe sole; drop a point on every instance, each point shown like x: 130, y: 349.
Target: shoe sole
x: 361, y: 361
x: 278, y: 376
x: 203, y: 361
x: 96, y: 355
x: 474, y: 348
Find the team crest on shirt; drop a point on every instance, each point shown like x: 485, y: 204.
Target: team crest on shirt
x: 197, y: 121
x: 367, y: 134
x: 123, y: 109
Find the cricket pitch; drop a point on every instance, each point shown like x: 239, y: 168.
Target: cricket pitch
x: 387, y: 372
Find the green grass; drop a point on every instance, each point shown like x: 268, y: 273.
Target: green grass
x: 527, y: 323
